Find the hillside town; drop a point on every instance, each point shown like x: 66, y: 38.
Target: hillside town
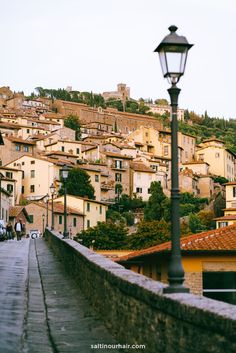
x: 124, y: 157
x: 122, y: 153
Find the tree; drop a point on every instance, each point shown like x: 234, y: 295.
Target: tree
x: 154, y: 209
x: 78, y: 184
x: 219, y: 205
x: 106, y: 236
x: 149, y: 233
x: 206, y: 218
x: 161, y: 101
x: 221, y: 180
x: 195, y: 224
x: 72, y: 121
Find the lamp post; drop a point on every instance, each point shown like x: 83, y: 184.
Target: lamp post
x: 47, y: 200
x: 64, y: 175
x: 173, y: 51
x: 52, y: 190
x: 43, y: 216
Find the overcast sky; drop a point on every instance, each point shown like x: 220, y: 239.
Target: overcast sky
x: 92, y: 45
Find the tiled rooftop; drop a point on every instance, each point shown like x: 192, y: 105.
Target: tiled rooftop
x: 222, y: 239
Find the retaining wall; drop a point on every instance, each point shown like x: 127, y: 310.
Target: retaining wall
x: 137, y: 313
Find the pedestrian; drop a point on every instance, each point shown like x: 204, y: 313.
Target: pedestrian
x: 18, y: 229
x: 9, y: 231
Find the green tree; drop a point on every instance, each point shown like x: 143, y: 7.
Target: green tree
x: 149, y: 233
x: 73, y: 122
x: 220, y: 179
x: 78, y: 184
x: 219, y: 205
x: 154, y: 209
x: 206, y: 217
x: 106, y: 236
x: 130, y: 204
x: 195, y: 224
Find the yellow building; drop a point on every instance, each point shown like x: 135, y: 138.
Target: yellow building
x: 37, y: 175
x: 208, y: 258
x: 67, y: 146
x: 221, y: 160
x: 229, y: 217
x: 93, y: 211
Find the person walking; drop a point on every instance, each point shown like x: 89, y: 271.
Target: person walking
x: 18, y: 229
x: 9, y: 231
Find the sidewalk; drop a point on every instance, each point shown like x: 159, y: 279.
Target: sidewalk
x: 41, y: 308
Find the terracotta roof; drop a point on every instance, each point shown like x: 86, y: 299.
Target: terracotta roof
x: 58, y: 207
x: 226, y: 217
x: 140, y: 167
x: 222, y: 239
x: 19, y: 140
x: 14, y: 211
x: 116, y: 155
x: 230, y: 183
x: 196, y: 162
x: 60, y: 153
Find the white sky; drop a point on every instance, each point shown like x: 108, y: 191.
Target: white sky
x: 92, y: 45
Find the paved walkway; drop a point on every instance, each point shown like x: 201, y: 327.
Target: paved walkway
x: 41, y: 308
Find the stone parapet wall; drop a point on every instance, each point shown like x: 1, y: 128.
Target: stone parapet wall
x: 137, y: 313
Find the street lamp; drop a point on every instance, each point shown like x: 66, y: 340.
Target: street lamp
x: 47, y: 200
x: 173, y: 51
x: 43, y: 216
x: 64, y: 174
x: 52, y: 190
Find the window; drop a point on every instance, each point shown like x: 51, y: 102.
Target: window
x: 32, y: 162
x: 149, y: 191
x: 223, y: 224
x: 23, y: 174
x: 23, y: 163
x: 62, y: 148
x: 28, y: 131
x: 22, y: 189
x: 118, y: 177
x: 139, y: 190
x: 100, y: 209
x: 88, y: 207
x: 74, y: 222
x: 88, y: 223
x: 77, y: 150
x: 60, y: 219
x: 10, y: 188
x: 97, y: 178
x: 17, y: 147
x: 220, y: 286
x: 234, y: 191
x: 31, y: 218
x: 118, y: 164
x: 32, y: 188
x: 9, y: 175
x: 166, y: 150
x: 217, y: 155
x: 32, y: 173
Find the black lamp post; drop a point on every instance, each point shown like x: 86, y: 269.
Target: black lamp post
x: 52, y: 190
x: 64, y: 175
x: 173, y: 51
x: 47, y: 200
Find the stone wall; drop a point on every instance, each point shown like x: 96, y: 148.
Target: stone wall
x: 136, y: 312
